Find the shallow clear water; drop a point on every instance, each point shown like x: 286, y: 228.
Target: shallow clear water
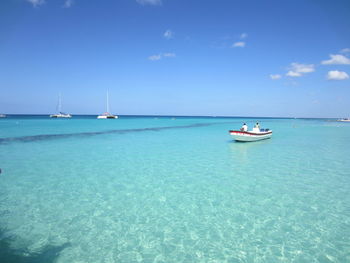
x: 173, y: 190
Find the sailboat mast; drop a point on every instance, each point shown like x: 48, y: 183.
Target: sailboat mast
x: 107, y: 102
x: 59, y: 103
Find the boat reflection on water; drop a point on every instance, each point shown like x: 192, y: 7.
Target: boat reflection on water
x: 244, y: 153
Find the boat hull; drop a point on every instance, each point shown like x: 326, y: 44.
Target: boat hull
x: 60, y: 116
x: 107, y: 117
x: 250, y: 136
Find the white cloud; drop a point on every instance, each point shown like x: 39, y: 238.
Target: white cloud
x: 297, y: 70
x: 160, y: 56
x: 337, y: 75
x: 36, y: 3
x: 345, y: 50
x: 155, y: 57
x: 169, y: 55
x: 168, y: 34
x: 149, y: 2
x: 275, y: 76
x: 243, y: 36
x: 68, y: 3
x: 239, y: 44
x: 336, y: 60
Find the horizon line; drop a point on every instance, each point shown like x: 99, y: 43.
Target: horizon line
x: 161, y: 115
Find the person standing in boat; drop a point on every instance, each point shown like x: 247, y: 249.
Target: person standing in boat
x: 257, y: 127
x: 244, y: 127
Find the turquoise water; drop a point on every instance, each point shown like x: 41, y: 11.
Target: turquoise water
x: 152, y: 189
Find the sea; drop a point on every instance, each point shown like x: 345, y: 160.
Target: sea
x: 163, y: 189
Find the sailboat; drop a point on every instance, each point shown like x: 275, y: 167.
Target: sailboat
x: 107, y: 115
x: 60, y: 114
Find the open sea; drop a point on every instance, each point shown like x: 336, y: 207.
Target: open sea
x: 164, y: 189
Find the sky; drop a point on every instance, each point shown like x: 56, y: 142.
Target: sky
x: 176, y: 57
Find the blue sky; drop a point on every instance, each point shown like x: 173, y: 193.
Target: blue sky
x: 176, y: 57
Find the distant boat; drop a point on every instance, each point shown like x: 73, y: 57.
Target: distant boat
x: 60, y: 114
x: 345, y: 120
x: 2, y: 116
x: 107, y: 115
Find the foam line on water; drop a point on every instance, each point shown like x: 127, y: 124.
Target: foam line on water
x: 42, y: 137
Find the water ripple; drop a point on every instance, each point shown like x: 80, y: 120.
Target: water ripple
x: 42, y: 137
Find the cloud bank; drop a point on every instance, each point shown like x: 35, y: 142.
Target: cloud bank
x: 336, y: 60
x: 298, y: 70
x: 345, y: 50
x: 337, y: 75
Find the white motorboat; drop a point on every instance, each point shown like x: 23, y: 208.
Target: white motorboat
x: 251, y: 136
x: 344, y: 120
x: 107, y: 115
x: 60, y: 114
x: 2, y: 116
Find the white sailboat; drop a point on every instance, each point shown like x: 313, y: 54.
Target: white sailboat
x: 107, y: 115
x: 60, y: 114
